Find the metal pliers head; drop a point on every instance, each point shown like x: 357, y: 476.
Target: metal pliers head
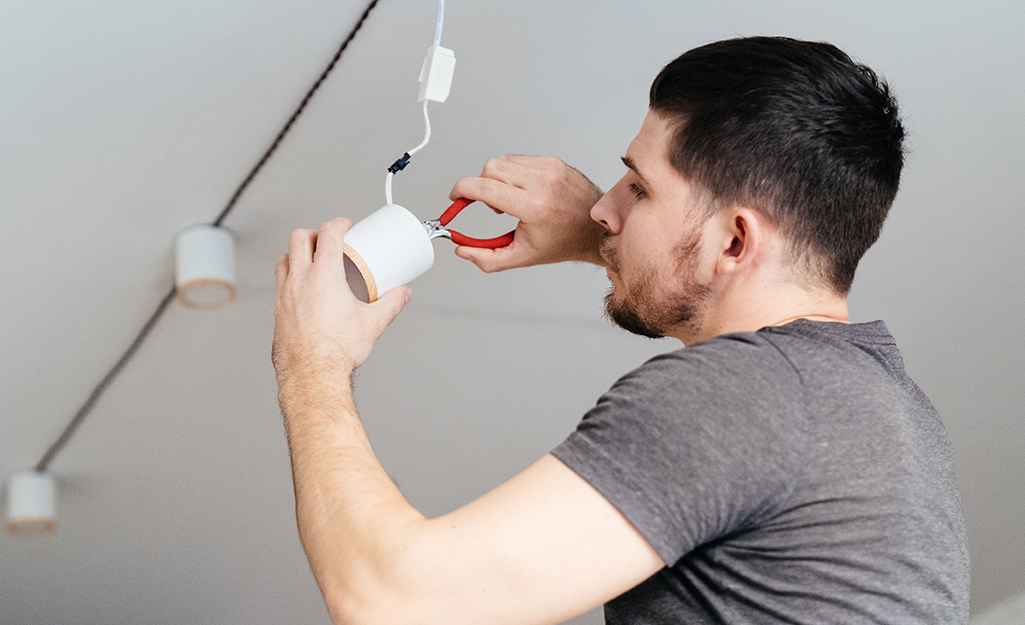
x: 436, y: 229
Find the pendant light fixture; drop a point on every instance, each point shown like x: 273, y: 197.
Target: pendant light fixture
x: 205, y: 267
x: 31, y: 503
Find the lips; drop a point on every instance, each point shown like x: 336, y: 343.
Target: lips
x: 609, y: 255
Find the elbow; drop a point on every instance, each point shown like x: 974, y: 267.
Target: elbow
x: 385, y: 582
x: 376, y: 598
x: 371, y: 608
x: 349, y: 606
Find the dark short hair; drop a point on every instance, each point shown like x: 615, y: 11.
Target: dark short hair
x: 795, y: 130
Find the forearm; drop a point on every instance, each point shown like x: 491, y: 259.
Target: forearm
x: 353, y: 522
x: 541, y: 548
x: 535, y: 550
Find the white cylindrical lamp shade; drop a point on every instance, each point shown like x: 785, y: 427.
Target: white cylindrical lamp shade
x: 388, y: 248
x: 205, y: 266
x: 31, y: 503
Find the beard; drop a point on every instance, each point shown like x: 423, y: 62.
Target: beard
x: 652, y: 307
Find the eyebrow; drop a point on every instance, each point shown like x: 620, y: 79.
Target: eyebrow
x: 629, y: 162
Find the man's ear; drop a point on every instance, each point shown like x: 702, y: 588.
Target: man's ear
x: 745, y: 237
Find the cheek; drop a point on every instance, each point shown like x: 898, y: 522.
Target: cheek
x: 631, y: 251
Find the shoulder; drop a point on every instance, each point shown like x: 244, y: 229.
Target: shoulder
x: 735, y: 391
x: 745, y: 366
x: 697, y: 442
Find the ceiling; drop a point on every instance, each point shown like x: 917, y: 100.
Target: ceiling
x: 123, y: 122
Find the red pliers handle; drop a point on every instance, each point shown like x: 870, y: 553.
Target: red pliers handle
x: 461, y: 239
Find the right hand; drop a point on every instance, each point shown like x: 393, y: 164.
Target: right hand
x: 553, y: 203
x: 319, y: 326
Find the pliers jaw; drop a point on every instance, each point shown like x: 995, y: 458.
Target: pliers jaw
x: 435, y: 230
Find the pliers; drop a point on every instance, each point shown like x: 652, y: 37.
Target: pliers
x: 436, y: 229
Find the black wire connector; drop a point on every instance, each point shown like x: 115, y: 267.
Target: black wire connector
x: 400, y: 164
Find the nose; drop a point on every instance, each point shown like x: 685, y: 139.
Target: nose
x: 606, y: 211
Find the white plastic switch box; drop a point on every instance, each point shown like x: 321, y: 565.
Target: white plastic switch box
x: 436, y: 74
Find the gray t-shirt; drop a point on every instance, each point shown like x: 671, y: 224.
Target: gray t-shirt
x: 790, y: 475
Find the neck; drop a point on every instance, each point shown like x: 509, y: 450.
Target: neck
x: 752, y: 310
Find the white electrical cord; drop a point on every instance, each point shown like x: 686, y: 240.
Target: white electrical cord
x: 427, y: 132
x: 427, y: 138
x: 441, y: 22
x: 427, y: 120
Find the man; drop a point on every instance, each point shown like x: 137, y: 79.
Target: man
x: 782, y: 468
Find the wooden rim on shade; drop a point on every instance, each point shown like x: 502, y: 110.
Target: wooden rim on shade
x: 364, y: 270
x: 31, y: 526
x: 181, y: 288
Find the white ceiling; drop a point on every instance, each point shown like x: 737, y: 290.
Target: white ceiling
x: 123, y: 122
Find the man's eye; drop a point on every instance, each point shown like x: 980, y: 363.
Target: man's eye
x: 639, y: 192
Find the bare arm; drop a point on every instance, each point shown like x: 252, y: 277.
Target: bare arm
x: 539, y: 549
x: 553, y: 204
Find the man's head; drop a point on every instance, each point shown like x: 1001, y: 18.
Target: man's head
x: 795, y: 130
x: 762, y: 134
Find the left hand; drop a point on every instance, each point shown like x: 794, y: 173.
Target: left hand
x: 319, y: 324
x: 553, y: 202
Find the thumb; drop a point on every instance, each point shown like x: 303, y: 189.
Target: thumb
x: 487, y: 260
x: 391, y: 303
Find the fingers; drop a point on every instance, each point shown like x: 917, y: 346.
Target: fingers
x: 552, y: 202
x: 490, y: 261
x: 499, y: 196
x: 391, y: 303
x: 281, y: 271
x: 527, y: 172
x: 512, y: 169
x: 331, y: 240
x: 488, y: 190
x: 509, y: 183
x: 510, y: 172
x: 301, y: 247
x: 327, y: 241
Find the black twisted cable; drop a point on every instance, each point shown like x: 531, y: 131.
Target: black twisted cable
x: 100, y: 388
x: 122, y: 362
x: 295, y: 115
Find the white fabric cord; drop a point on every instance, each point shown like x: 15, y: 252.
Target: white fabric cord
x: 427, y: 118
x: 427, y: 138
x: 427, y: 132
x: 441, y: 22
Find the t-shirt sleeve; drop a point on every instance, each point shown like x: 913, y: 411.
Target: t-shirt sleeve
x: 695, y: 444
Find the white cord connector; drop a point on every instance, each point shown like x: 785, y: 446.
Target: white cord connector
x: 401, y: 163
x: 436, y: 74
x: 435, y: 83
